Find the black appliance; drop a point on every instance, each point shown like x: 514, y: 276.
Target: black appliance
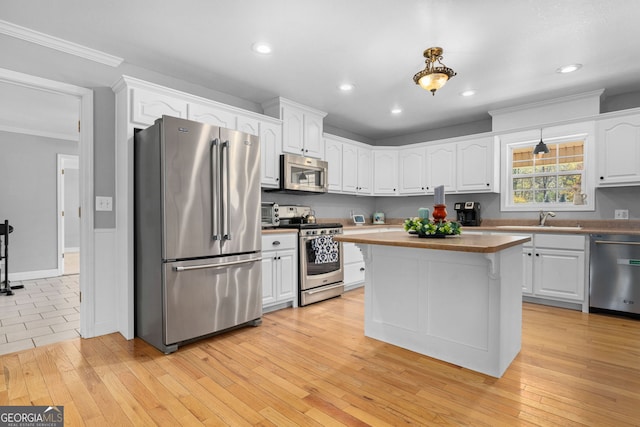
x: 468, y: 213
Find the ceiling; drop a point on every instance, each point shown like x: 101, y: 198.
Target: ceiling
x: 507, y: 51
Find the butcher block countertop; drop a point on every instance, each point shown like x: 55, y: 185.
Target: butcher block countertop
x: 462, y: 243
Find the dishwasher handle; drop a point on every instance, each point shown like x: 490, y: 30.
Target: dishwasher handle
x: 611, y: 242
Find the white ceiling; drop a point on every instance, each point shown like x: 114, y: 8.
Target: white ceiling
x: 506, y: 50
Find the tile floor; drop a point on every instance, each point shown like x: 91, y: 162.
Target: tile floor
x: 43, y: 312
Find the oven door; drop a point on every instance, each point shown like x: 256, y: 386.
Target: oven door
x: 320, y: 261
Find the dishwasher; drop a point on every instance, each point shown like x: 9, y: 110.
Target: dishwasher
x: 614, y: 273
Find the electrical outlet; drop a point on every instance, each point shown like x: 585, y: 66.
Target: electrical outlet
x: 621, y: 214
x: 104, y: 203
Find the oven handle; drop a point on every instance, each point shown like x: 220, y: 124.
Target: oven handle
x: 328, y: 288
x: 315, y: 236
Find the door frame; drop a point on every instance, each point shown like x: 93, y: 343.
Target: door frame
x: 65, y: 161
x: 85, y: 98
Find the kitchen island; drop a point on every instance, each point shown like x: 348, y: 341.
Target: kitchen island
x: 457, y: 299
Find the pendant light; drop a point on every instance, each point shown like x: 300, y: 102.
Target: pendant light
x: 433, y: 78
x: 541, y: 148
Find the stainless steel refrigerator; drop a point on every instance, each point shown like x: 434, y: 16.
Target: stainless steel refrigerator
x: 197, y: 231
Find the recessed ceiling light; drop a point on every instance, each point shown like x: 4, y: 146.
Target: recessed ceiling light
x: 262, y: 48
x: 396, y: 110
x: 470, y: 92
x: 346, y: 87
x: 569, y: 68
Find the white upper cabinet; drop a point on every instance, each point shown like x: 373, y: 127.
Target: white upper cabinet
x: 270, y: 150
x: 385, y: 172
x: 441, y: 167
x: 211, y: 115
x: 356, y: 169
x: 248, y: 125
x: 301, y: 127
x: 618, y: 148
x: 477, y: 166
x: 148, y: 106
x: 411, y: 174
x: 333, y: 156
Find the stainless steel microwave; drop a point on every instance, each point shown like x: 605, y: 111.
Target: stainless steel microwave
x: 304, y: 174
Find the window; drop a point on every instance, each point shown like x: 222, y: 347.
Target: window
x: 558, y: 180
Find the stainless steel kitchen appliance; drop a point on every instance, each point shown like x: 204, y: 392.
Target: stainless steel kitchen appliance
x: 615, y: 273
x: 270, y: 214
x: 468, y: 213
x: 299, y: 174
x: 321, y: 269
x: 197, y: 231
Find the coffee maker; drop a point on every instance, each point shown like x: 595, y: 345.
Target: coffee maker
x: 468, y: 213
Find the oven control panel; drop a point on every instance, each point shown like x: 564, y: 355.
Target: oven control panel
x: 321, y: 231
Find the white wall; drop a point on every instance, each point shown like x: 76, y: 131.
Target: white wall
x: 28, y: 198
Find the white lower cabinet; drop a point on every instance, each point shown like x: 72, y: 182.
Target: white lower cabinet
x: 353, y: 266
x: 554, y: 268
x: 279, y: 271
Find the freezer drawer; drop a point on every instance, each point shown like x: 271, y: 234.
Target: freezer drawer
x: 206, y: 296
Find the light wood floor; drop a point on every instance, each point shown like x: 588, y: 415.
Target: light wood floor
x: 313, y: 366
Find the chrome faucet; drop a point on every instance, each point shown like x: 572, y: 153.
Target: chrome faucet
x: 544, y: 216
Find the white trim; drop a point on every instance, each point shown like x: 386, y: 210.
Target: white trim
x: 33, y: 275
x: 85, y: 96
x: 45, y: 134
x: 56, y: 43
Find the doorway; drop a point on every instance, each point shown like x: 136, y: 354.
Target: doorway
x: 85, y: 182
x: 68, y: 214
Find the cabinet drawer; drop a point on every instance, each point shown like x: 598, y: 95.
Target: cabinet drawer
x: 279, y: 241
x: 559, y: 241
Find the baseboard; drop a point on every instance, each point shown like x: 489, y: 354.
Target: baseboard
x: 72, y: 249
x: 32, y: 275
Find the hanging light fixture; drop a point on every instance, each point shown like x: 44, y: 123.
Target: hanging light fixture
x: 541, y: 148
x: 433, y: 77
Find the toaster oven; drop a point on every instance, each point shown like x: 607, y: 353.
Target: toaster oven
x: 270, y: 214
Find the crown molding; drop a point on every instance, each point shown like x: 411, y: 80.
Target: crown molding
x: 59, y: 44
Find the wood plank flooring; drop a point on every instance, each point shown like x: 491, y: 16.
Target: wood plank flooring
x: 314, y: 367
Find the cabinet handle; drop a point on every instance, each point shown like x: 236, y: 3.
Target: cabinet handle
x: 276, y: 243
x: 602, y: 177
x: 361, y: 268
x: 488, y: 185
x: 277, y: 179
x: 529, y: 254
x: 537, y: 254
x: 275, y: 258
x: 278, y: 257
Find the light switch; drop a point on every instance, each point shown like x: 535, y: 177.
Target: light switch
x: 104, y: 203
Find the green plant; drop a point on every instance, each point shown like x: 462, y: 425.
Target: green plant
x: 424, y: 226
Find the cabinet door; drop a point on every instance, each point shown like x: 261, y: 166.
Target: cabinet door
x: 364, y: 171
x: 292, y: 130
x: 287, y: 282
x: 147, y: 107
x: 619, y: 151
x: 385, y: 172
x: 212, y: 116
x: 475, y: 165
x: 248, y: 125
x: 349, y: 168
x: 441, y: 167
x: 269, y: 278
x: 412, y: 171
x: 559, y: 274
x: 527, y: 270
x: 270, y: 150
x: 333, y: 155
x: 313, y: 141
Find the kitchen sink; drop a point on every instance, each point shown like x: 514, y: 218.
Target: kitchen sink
x: 539, y: 227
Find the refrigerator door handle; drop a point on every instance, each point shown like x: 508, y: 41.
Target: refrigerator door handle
x: 226, y: 264
x: 226, y: 215
x: 215, y: 191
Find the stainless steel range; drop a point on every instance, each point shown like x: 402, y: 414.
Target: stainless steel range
x: 321, y: 271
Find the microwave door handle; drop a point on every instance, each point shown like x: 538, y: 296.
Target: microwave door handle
x: 215, y: 190
x: 226, y: 188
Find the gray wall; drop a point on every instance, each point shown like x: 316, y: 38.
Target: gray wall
x: 104, y: 153
x: 326, y: 205
x: 28, y: 198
